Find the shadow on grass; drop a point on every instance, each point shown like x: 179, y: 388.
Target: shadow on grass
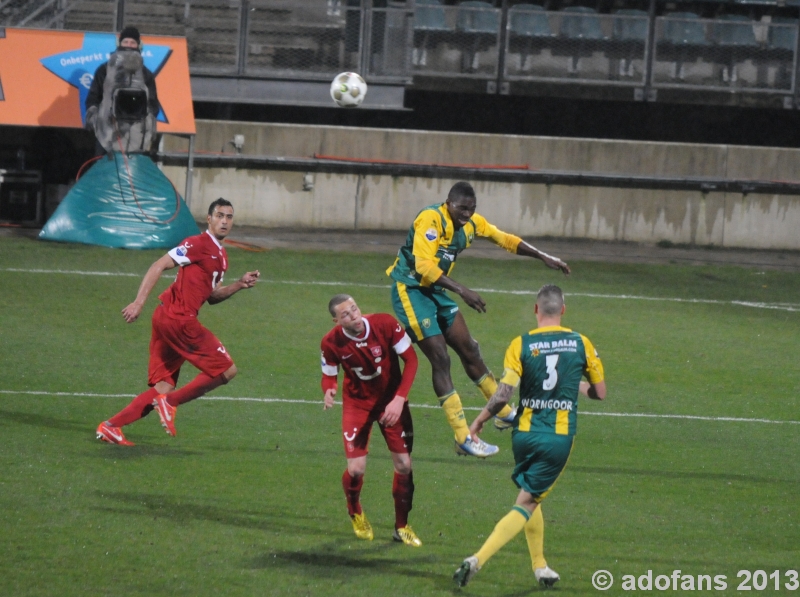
x: 467, y: 461
x: 42, y: 421
x: 270, y: 447
x: 140, y: 450
x: 341, y: 561
x: 681, y: 475
x: 182, y: 511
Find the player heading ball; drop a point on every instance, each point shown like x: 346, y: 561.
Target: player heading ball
x: 421, y: 275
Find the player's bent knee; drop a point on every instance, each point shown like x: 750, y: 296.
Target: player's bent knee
x: 356, y: 467
x: 402, y: 463
x: 473, y: 349
x: 403, y: 469
x: 163, y: 387
x: 230, y: 373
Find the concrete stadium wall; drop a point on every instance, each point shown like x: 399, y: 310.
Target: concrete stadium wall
x: 346, y: 201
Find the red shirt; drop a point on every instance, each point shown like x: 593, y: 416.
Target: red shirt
x: 371, y: 365
x: 203, y: 263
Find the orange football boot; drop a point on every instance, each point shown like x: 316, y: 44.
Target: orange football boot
x: 166, y: 413
x: 112, y: 435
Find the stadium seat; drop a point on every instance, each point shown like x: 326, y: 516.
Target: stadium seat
x: 580, y: 34
x: 634, y: 28
x: 581, y: 22
x: 430, y: 29
x: 528, y: 31
x: 683, y: 40
x: 529, y: 20
x: 736, y: 42
x: 429, y: 15
x: 781, y: 45
x: 734, y: 30
x: 781, y: 37
x: 629, y: 37
x: 478, y: 29
x: 475, y: 16
x: 684, y: 28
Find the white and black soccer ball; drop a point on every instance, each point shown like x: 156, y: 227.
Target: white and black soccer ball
x: 348, y: 89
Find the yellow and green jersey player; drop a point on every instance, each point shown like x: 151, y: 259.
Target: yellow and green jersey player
x: 548, y: 364
x: 421, y: 275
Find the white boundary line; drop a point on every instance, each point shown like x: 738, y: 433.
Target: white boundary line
x: 791, y: 307
x: 70, y: 272
x: 430, y: 406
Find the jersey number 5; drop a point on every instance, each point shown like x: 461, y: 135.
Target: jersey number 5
x: 552, y: 375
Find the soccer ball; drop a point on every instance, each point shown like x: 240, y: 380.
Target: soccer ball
x: 348, y: 90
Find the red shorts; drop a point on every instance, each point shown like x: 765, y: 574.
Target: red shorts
x: 357, y: 426
x: 175, y: 341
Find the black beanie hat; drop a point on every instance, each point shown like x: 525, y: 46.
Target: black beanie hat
x: 130, y: 33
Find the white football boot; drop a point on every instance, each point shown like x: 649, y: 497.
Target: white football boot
x: 546, y: 576
x: 479, y: 448
x: 466, y: 571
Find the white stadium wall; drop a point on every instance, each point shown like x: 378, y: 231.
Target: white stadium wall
x: 273, y: 198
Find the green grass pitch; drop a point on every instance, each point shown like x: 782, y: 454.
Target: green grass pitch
x: 247, y: 500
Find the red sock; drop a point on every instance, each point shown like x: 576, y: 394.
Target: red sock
x: 138, y: 408
x: 352, y: 491
x: 403, y: 493
x: 202, y: 384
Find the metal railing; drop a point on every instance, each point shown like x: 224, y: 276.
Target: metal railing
x: 315, y: 39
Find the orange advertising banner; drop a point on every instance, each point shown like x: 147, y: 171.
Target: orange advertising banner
x: 45, y: 77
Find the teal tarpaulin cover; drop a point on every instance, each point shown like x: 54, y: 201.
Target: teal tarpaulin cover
x: 122, y: 205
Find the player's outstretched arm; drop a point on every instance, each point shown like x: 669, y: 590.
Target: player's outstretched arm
x: 472, y: 298
x: 222, y: 293
x: 131, y: 312
x: 595, y: 391
x: 552, y: 262
x: 494, y: 406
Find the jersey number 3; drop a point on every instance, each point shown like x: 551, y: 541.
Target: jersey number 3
x: 552, y: 375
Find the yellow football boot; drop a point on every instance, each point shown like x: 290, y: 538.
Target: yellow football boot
x: 362, y: 527
x: 408, y: 536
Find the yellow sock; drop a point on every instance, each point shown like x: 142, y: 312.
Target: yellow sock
x: 534, y: 533
x: 504, y: 531
x: 488, y: 386
x: 455, y: 415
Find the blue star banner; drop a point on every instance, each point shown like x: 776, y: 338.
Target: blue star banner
x: 77, y: 67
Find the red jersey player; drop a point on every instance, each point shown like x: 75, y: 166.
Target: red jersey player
x: 177, y: 335
x: 367, y: 348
